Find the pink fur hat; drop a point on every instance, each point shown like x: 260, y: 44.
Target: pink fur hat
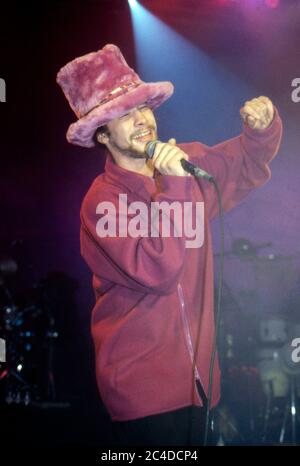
x: 100, y: 86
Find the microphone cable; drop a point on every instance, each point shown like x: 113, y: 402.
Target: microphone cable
x: 218, y: 311
x: 217, y: 319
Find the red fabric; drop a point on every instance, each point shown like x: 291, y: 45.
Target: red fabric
x: 143, y: 363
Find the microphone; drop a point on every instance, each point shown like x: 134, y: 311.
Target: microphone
x: 186, y: 165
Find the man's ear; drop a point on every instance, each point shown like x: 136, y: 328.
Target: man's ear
x: 102, y: 137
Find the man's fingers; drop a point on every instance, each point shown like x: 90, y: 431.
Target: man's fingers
x: 266, y: 100
x: 172, y: 141
x: 249, y: 109
x: 269, y: 106
x: 251, y: 121
x: 167, y: 158
x: 168, y: 162
x: 258, y: 112
x: 165, y: 154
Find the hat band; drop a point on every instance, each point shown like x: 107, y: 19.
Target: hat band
x: 120, y: 90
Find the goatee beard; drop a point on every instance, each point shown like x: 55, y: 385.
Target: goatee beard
x: 131, y: 152
x: 135, y: 155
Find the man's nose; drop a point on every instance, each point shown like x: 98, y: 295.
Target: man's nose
x: 139, y: 117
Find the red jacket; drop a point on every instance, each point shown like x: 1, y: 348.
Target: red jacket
x: 153, y: 293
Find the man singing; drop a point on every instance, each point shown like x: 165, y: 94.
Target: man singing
x: 153, y: 321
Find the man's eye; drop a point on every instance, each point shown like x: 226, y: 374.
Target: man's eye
x: 124, y: 116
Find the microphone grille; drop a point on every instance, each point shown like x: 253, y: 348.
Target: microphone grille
x: 150, y: 148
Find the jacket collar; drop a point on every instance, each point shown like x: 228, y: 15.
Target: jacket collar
x: 132, y: 181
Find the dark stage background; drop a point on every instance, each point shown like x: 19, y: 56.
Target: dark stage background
x: 218, y: 54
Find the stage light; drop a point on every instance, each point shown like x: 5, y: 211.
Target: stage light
x: 161, y: 53
x: 272, y: 3
x: 133, y: 3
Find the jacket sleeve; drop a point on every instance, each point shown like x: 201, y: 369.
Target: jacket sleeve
x: 239, y: 165
x: 145, y: 264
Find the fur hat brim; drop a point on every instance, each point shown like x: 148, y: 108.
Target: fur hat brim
x: 81, y: 132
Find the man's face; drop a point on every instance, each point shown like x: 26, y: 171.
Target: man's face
x: 129, y: 133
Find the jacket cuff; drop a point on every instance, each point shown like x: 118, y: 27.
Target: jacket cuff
x: 272, y: 129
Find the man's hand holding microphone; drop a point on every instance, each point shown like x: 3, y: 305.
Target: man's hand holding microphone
x: 169, y: 159
x: 166, y: 157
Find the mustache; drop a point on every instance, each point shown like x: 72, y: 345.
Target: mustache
x: 148, y: 128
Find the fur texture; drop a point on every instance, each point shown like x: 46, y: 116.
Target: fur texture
x: 100, y: 86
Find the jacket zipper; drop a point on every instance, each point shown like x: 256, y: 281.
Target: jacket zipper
x: 187, y: 334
